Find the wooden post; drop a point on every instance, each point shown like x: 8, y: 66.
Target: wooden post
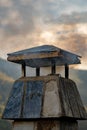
x: 23, y: 70
x: 37, y: 71
x: 66, y: 71
x: 53, y: 68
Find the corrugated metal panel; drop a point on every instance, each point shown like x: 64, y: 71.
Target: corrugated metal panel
x: 33, y: 99
x: 13, y: 107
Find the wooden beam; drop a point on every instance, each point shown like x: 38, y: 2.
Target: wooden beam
x: 23, y: 70
x: 66, y: 71
x: 33, y: 56
x: 37, y: 71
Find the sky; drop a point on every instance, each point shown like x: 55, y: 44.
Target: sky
x: 28, y: 23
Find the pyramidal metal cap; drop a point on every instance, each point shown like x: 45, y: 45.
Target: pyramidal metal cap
x: 44, y: 56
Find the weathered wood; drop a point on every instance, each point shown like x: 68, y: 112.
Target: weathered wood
x: 64, y: 101
x: 68, y: 125
x: 66, y: 71
x: 44, y: 97
x: 13, y: 107
x: 46, y: 125
x: 23, y: 99
x: 33, y: 99
x: 72, y: 99
x: 81, y: 109
x: 23, y: 70
x: 23, y: 125
x: 53, y: 68
x: 69, y: 99
x: 37, y: 71
x: 43, y: 56
x: 33, y: 56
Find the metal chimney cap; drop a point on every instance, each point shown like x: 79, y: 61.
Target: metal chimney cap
x: 43, y: 56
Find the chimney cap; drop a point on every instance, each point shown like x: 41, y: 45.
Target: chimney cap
x: 44, y: 56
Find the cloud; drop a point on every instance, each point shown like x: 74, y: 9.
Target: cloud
x: 73, y: 18
x: 6, y: 3
x: 28, y: 23
x: 17, y: 19
x: 23, y: 17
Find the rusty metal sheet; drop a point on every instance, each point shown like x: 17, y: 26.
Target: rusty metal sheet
x: 33, y: 99
x: 13, y: 107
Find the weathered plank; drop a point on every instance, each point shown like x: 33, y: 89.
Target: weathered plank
x: 68, y: 125
x: 64, y: 100
x: 72, y: 99
x: 23, y: 125
x: 37, y: 71
x: 13, y: 107
x: 69, y: 101
x: 66, y: 71
x: 81, y: 108
x: 48, y: 125
x: 33, y: 99
x: 23, y: 68
x: 33, y: 56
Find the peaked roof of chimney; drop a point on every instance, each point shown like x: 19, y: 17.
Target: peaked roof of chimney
x: 43, y: 56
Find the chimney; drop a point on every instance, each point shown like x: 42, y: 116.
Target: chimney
x: 48, y: 102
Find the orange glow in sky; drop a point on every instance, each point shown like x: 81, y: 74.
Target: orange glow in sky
x: 27, y: 23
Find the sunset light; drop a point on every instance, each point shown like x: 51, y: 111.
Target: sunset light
x: 82, y: 28
x: 48, y: 36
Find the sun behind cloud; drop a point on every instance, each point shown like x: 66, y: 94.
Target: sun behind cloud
x: 48, y: 36
x: 82, y: 28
